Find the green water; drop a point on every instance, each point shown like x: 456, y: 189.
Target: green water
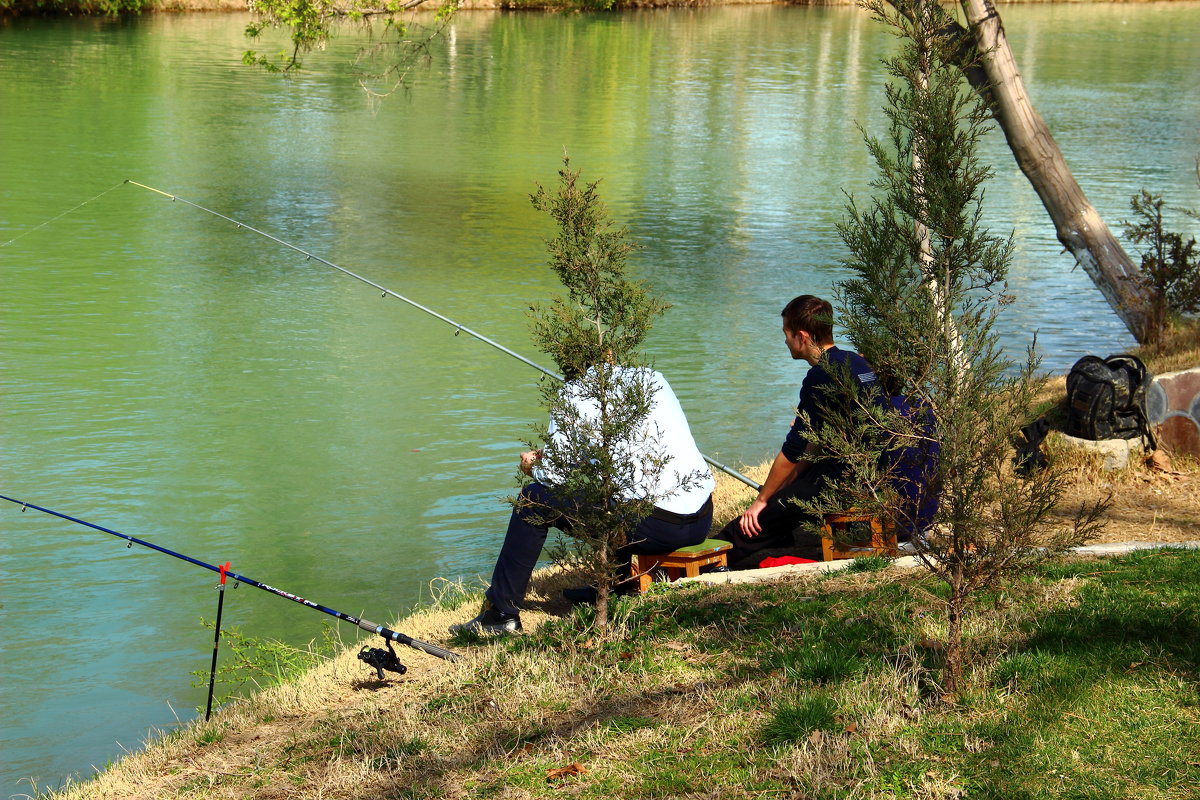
x: 170, y: 376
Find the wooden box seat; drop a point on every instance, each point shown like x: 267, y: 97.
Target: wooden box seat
x: 857, y: 534
x: 685, y: 561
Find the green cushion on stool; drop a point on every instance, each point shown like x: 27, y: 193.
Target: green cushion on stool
x: 708, y: 544
x: 686, y: 559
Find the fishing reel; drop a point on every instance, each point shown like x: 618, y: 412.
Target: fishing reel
x: 382, y: 659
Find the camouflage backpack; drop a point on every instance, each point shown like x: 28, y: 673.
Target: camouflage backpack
x: 1106, y: 398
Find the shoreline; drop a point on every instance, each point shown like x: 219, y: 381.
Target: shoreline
x: 242, y: 6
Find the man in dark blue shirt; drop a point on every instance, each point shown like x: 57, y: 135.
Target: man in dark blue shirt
x: 773, y: 521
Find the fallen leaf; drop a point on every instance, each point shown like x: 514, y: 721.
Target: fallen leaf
x: 852, y: 727
x: 1160, y: 461
x: 574, y: 768
x: 528, y: 748
x: 816, y: 737
x: 627, y: 656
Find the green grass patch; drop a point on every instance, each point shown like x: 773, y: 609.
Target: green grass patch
x: 1083, y: 685
x: 868, y: 564
x: 793, y: 722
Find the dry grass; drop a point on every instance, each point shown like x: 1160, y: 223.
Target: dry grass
x: 253, y: 746
x: 1179, y: 349
x: 1147, y: 505
x: 731, y: 496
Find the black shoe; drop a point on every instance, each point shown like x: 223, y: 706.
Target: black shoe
x: 581, y: 595
x: 490, y: 621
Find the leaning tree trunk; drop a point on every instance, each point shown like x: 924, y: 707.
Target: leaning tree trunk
x: 1078, y: 225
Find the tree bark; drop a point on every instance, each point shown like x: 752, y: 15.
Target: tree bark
x: 1077, y: 224
x: 936, y: 284
x: 955, y: 653
x: 603, y: 588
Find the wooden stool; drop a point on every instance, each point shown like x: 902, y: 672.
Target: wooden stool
x: 689, y: 560
x: 860, y: 534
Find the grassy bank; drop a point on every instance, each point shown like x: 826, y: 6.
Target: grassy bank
x: 1085, y: 686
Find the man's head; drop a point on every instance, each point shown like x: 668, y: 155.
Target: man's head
x: 581, y: 354
x: 808, y: 327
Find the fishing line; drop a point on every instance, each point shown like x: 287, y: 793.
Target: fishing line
x: 366, y: 625
x: 386, y: 292
x: 459, y: 328
x: 63, y: 214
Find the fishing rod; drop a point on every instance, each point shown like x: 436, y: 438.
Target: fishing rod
x: 386, y: 292
x: 386, y: 633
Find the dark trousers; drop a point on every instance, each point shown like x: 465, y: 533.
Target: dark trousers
x: 527, y: 530
x: 786, y: 528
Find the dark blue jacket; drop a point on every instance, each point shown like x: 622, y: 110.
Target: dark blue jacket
x: 816, y: 396
x: 912, y: 472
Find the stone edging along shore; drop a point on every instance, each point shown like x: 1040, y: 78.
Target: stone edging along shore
x: 774, y: 573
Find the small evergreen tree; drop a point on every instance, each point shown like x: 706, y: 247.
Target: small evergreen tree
x: 595, y: 449
x: 1170, y: 265
x: 929, y: 283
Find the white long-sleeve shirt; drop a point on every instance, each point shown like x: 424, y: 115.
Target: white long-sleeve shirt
x: 684, y: 482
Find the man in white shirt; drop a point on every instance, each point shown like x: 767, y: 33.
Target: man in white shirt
x: 680, y: 487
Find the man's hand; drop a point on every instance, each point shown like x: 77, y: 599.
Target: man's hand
x: 749, y: 519
x: 783, y: 471
x: 528, y: 459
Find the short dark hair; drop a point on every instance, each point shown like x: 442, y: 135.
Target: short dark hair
x: 810, y: 314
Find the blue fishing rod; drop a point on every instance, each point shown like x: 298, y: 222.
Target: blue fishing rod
x: 459, y: 327
x: 374, y: 657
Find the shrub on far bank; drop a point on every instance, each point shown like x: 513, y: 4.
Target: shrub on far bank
x: 1170, y: 265
x: 27, y: 8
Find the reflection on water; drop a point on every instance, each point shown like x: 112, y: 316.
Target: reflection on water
x: 170, y: 376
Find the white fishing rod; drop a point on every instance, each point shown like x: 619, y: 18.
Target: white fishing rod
x: 389, y: 293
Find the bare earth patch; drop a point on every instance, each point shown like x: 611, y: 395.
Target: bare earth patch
x: 1148, y: 505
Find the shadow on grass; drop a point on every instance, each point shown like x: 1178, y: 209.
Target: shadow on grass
x: 1081, y: 705
x: 1100, y: 694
